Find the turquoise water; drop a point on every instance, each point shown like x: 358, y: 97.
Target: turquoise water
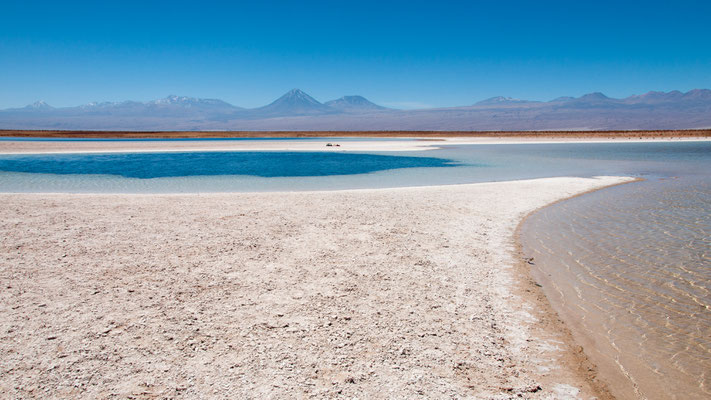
x: 282, y: 171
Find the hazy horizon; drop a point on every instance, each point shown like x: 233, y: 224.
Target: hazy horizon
x: 412, y: 107
x: 297, y: 110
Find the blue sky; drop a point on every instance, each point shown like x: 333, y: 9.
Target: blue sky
x: 399, y: 53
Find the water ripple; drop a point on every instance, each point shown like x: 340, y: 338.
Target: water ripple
x: 630, y: 265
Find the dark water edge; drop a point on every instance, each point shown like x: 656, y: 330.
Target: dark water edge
x: 628, y: 269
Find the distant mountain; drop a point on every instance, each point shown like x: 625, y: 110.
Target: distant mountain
x: 39, y: 105
x: 655, y: 97
x: 297, y: 110
x: 698, y: 94
x: 191, y: 102
x: 562, y: 99
x: 501, y: 100
x: 591, y: 97
x: 674, y: 97
x: 294, y: 102
x: 166, y: 107
x: 353, y: 103
x: 590, y: 100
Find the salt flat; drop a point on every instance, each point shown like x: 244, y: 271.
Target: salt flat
x: 414, y: 143
x: 363, y: 293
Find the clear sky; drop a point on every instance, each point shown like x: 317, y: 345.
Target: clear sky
x: 400, y: 53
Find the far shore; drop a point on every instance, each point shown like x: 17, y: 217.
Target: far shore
x: 321, y: 141
x: 551, y: 134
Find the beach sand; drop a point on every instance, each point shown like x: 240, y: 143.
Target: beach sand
x: 11, y: 147
x: 392, y: 293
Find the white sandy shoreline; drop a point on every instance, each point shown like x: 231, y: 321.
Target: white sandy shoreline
x: 624, y: 179
x: 413, y: 144
x: 375, y: 293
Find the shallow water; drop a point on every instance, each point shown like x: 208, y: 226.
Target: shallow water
x: 629, y: 269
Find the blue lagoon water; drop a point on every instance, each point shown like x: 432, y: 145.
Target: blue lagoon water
x: 260, y: 163
x: 287, y: 171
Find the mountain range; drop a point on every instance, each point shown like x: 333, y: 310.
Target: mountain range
x: 296, y: 110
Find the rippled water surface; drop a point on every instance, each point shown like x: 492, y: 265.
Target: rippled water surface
x: 629, y: 268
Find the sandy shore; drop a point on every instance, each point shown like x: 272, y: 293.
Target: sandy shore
x: 394, y: 293
x: 13, y: 147
x: 405, y: 144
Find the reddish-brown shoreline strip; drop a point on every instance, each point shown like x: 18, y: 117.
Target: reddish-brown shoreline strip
x: 611, y: 134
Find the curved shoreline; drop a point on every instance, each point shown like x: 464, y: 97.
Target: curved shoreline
x: 416, y: 288
x: 576, y: 358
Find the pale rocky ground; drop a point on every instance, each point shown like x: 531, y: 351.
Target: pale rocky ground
x: 396, y: 293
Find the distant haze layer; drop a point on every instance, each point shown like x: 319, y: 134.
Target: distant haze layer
x: 296, y: 110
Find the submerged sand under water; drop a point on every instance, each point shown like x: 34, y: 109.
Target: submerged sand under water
x: 629, y: 269
x: 393, y: 293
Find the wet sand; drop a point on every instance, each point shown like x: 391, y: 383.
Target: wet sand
x: 392, y: 293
